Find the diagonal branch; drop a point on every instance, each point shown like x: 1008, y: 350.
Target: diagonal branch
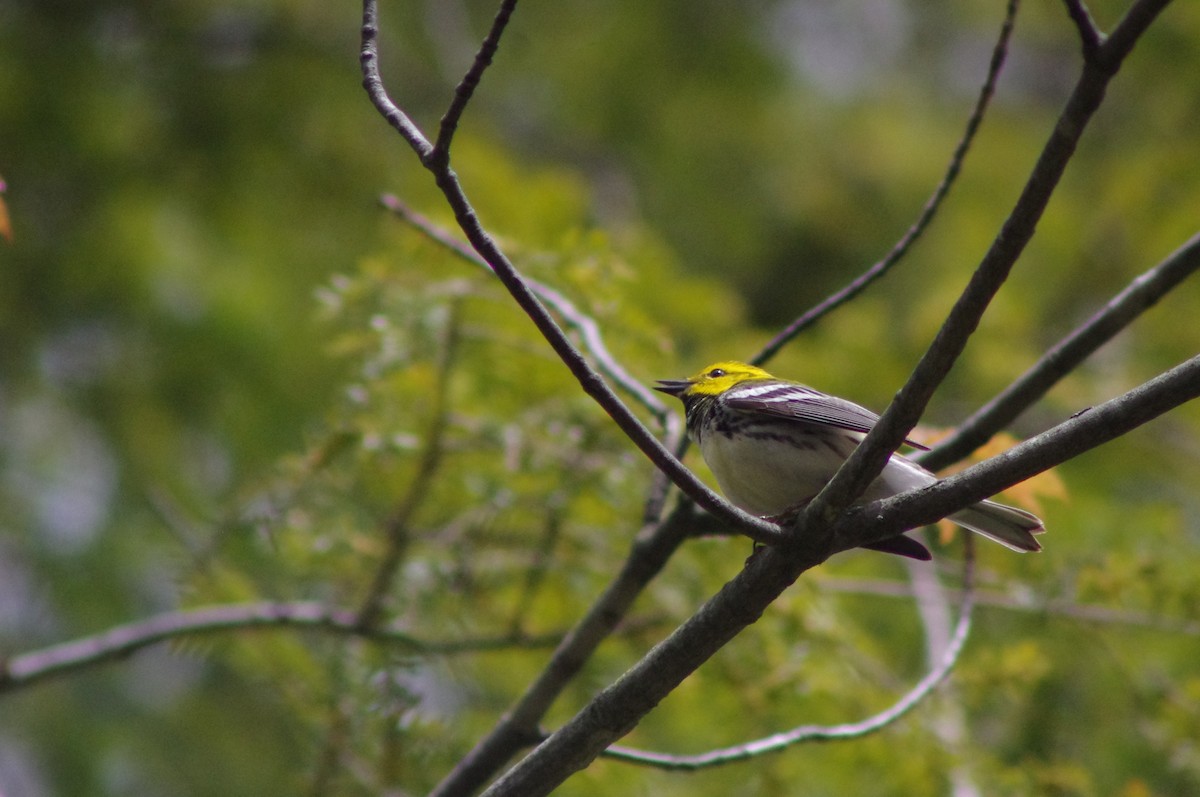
x: 519, y: 727
x: 1085, y: 430
x: 620, y: 706
x: 466, y: 87
x: 868, y: 459
x: 823, y: 733
x: 1138, y: 297
x: 882, y: 267
x: 1089, y: 35
x: 591, y: 381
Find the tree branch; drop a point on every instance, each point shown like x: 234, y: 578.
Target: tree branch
x: 868, y: 460
x: 945, y: 663
x: 619, y: 707
x: 1089, y: 35
x: 518, y: 728
x: 373, y: 83
x: 118, y: 642
x: 590, y: 380
x: 1086, y: 430
x: 1139, y: 296
x: 466, y: 87
x: 882, y: 267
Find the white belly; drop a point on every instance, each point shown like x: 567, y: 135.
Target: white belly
x: 768, y: 477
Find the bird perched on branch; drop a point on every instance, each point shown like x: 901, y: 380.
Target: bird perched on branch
x: 773, y: 444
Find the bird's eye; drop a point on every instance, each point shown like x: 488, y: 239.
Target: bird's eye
x: 716, y: 372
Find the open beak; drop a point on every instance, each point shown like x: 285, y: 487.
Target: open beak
x: 672, y: 387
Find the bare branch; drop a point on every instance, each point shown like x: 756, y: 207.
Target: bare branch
x: 120, y: 641
x: 619, y: 707
x: 1140, y: 295
x: 1125, y: 35
x: 519, y: 726
x: 822, y: 733
x: 1026, y: 603
x: 590, y: 380
x: 373, y: 83
x: 466, y: 87
x: 868, y: 459
x: 882, y: 267
x: 1085, y: 430
x: 1089, y: 35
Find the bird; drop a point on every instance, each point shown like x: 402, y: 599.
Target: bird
x: 772, y: 444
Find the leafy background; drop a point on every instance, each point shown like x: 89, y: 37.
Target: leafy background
x: 221, y: 362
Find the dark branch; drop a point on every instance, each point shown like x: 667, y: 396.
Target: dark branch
x: 574, y: 318
x: 882, y: 267
x: 466, y: 87
x: 1083, y: 432
x: 619, y: 707
x: 1089, y: 34
x: 869, y: 458
x: 518, y: 728
x: 824, y: 733
x: 590, y: 380
x: 1139, y: 296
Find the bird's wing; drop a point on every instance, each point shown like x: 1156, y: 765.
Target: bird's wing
x: 805, y: 405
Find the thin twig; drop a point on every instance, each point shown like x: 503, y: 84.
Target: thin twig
x: 1089, y: 35
x: 1029, y: 604
x: 373, y: 83
x: 882, y: 267
x: 1139, y: 296
x: 118, y: 642
x: 396, y: 525
x: 824, y: 733
x: 466, y: 87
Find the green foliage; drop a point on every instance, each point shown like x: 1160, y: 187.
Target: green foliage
x: 226, y: 376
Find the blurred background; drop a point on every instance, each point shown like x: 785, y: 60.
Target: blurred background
x: 218, y: 357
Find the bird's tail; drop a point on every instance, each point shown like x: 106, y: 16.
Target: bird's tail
x: 1011, y: 527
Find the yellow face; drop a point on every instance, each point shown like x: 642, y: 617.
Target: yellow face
x: 719, y: 377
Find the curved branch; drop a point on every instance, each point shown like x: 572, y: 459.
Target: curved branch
x: 373, y: 83
x: 120, y: 641
x: 1140, y: 295
x: 590, y: 380
x: 824, y: 733
x: 1089, y: 35
x: 882, y: 267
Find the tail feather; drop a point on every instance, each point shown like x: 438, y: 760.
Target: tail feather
x: 1011, y: 527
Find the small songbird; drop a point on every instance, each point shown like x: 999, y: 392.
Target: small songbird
x: 773, y: 444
